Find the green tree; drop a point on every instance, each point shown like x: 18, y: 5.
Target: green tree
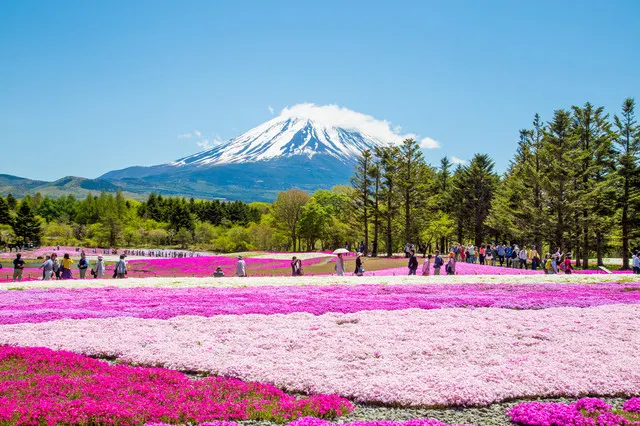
x: 411, y: 183
x: 288, y: 209
x: 388, y: 191
x: 27, y: 226
x: 5, y: 214
x: 362, y: 182
x: 627, y: 145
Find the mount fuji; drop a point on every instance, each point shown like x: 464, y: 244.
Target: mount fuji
x: 306, y: 146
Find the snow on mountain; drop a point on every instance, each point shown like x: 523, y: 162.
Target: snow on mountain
x: 304, y: 129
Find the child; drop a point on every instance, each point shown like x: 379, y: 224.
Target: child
x: 548, y: 265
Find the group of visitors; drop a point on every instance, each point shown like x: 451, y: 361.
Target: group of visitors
x: 61, y: 269
x: 438, y: 263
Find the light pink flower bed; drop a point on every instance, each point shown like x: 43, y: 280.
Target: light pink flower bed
x: 406, y: 357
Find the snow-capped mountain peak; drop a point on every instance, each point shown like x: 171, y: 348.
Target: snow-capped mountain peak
x: 304, y: 129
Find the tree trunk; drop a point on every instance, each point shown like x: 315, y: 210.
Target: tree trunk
x: 625, y: 226
x: 376, y: 218
x: 599, y: 247
x: 585, y: 246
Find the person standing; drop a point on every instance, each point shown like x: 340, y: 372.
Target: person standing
x: 98, y: 268
x: 359, y: 271
x: 120, y: 270
x: 56, y: 265
x: 339, y: 268
x: 501, y: 254
x: 241, y: 267
x: 83, y: 265
x: 65, y: 267
x: 47, y: 269
x: 296, y: 267
x: 18, y: 267
x: 426, y: 266
x: 437, y: 263
x: 636, y: 262
x: 413, y: 262
x: 568, y: 269
x: 451, y: 264
x: 523, y: 257
x: 535, y: 258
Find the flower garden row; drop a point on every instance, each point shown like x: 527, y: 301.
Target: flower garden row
x: 401, y: 345
x: 36, y: 305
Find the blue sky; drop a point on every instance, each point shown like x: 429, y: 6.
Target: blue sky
x: 89, y: 86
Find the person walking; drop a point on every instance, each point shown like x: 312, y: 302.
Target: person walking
x: 18, y: 267
x: 437, y: 263
x: 359, y: 271
x: 548, y: 264
x: 83, y: 265
x: 451, y: 264
x: 501, y: 254
x: 339, y: 268
x: 241, y: 267
x: 413, y: 262
x: 98, y: 268
x: 426, y: 266
x: 120, y: 271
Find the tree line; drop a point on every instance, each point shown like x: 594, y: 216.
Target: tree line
x: 573, y: 183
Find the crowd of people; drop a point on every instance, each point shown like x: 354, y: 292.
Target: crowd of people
x: 62, y: 269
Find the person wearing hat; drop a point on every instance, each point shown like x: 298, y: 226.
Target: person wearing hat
x: 451, y: 264
x: 241, y: 267
x: 98, y: 268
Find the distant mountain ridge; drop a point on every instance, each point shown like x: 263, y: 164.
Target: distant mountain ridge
x: 288, y: 151
x: 308, y: 147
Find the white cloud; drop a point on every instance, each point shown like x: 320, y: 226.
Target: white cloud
x: 185, y: 136
x: 456, y: 160
x: 336, y: 116
x: 429, y: 143
x: 197, y: 133
x: 206, y: 144
x: 271, y: 110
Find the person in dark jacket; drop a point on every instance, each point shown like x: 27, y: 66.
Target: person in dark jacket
x: 437, y: 263
x: 358, y: 271
x: 413, y: 262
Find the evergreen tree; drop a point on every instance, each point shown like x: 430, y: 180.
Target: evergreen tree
x: 557, y: 152
x: 362, y: 183
x: 478, y: 182
x: 388, y: 190
x: 5, y: 215
x: 27, y: 226
x: 12, y: 202
x: 412, y: 176
x: 627, y: 145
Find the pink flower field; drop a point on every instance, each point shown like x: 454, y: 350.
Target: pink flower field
x: 307, y: 351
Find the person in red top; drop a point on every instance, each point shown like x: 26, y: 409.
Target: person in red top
x: 568, y: 269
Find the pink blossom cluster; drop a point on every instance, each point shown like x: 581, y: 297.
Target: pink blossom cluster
x: 632, y: 405
x: 411, y: 357
x: 204, y: 266
x: 311, y: 421
x: 163, y: 303
x: 39, y: 386
x: 584, y: 412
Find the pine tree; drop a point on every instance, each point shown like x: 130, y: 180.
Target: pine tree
x: 5, y: 215
x: 388, y: 190
x: 12, y: 202
x: 362, y: 183
x: 478, y: 181
x: 627, y: 145
x: 412, y: 174
x: 27, y: 226
x: 557, y: 152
